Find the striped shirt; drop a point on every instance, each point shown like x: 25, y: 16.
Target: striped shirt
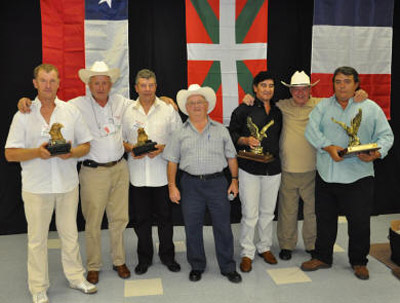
x: 200, y: 153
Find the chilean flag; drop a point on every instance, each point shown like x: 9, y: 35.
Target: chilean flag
x: 356, y: 33
x: 76, y: 33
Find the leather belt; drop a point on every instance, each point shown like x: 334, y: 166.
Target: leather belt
x: 208, y: 176
x: 94, y: 164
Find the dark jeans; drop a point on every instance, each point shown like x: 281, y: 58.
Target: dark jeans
x: 147, y: 203
x: 354, y: 200
x: 198, y: 195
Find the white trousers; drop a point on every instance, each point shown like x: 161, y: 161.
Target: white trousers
x: 38, y: 212
x: 258, y: 196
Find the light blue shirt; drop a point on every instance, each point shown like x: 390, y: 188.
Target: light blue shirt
x: 200, y: 153
x: 321, y: 131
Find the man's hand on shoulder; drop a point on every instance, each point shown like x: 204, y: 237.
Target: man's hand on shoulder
x: 168, y: 100
x: 248, y: 100
x: 333, y: 152
x: 24, y: 105
x: 360, y: 95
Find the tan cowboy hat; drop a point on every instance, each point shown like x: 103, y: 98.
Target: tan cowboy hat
x: 195, y: 89
x: 300, y: 79
x: 99, y: 68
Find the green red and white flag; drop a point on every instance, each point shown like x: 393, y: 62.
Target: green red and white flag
x: 226, y: 48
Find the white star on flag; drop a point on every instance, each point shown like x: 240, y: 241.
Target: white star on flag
x: 107, y: 1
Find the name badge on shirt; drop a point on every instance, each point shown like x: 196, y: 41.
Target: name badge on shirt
x: 110, y: 128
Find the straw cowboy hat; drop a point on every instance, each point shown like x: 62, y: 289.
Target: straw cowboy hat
x: 195, y: 89
x: 99, y: 68
x: 300, y: 79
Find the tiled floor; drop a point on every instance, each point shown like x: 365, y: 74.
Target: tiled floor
x: 283, y: 282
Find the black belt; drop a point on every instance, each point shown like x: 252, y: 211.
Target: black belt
x: 207, y: 177
x: 94, y: 164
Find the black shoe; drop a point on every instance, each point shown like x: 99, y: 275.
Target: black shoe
x: 195, y: 275
x: 173, y: 266
x: 233, y: 276
x: 285, y: 254
x: 311, y: 252
x: 141, y: 268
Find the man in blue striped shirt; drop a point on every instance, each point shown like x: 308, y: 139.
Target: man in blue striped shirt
x: 345, y: 184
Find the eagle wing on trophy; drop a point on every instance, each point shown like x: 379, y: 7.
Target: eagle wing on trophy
x: 254, y: 131
x: 356, y: 121
x: 263, y: 131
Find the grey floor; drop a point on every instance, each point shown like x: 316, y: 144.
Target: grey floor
x: 280, y: 283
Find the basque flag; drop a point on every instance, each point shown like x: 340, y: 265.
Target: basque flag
x: 76, y: 33
x: 356, y: 33
x: 226, y: 48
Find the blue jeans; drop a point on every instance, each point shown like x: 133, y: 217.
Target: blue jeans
x: 197, y: 195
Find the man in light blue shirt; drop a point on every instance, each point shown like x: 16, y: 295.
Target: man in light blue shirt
x: 345, y: 184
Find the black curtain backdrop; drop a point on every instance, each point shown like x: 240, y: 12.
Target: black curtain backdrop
x: 158, y: 42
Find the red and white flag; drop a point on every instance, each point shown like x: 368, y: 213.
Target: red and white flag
x: 76, y: 33
x: 226, y: 47
x: 356, y: 33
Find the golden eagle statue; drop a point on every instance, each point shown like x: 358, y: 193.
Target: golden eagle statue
x: 352, y: 130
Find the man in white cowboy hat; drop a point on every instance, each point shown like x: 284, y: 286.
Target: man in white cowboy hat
x: 148, y: 172
x: 203, y: 148
x: 49, y: 183
x: 298, y: 165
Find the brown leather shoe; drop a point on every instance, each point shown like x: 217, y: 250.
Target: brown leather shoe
x: 314, y: 264
x: 361, y: 272
x: 123, y: 271
x: 268, y: 257
x: 245, y: 265
x: 93, y: 276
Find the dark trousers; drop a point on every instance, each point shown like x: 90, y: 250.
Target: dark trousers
x: 354, y: 200
x: 148, y: 203
x: 198, y: 195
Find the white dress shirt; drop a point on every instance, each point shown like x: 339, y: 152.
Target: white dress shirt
x: 53, y: 175
x: 159, y: 123
x: 105, y: 126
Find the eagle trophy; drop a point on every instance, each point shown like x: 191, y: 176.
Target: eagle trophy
x: 259, y: 135
x: 352, y: 130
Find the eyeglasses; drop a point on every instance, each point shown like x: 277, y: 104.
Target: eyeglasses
x: 193, y: 103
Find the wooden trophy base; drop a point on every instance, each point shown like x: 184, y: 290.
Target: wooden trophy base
x: 264, y: 158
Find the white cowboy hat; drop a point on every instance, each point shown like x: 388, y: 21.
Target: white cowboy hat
x: 99, y: 68
x: 300, y: 79
x: 195, y: 89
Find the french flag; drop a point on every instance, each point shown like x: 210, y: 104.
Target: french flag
x: 356, y: 33
x: 76, y: 33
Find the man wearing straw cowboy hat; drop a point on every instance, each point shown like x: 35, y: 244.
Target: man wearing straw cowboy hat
x: 203, y: 148
x: 298, y: 165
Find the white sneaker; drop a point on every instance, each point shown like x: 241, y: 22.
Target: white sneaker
x: 40, y: 297
x: 85, y: 287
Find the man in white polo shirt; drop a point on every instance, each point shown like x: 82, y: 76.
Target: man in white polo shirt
x: 49, y: 182
x: 148, y: 172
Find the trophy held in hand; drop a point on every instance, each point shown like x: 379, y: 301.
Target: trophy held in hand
x: 143, y: 145
x: 57, y: 144
x: 257, y: 153
x: 355, y: 147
